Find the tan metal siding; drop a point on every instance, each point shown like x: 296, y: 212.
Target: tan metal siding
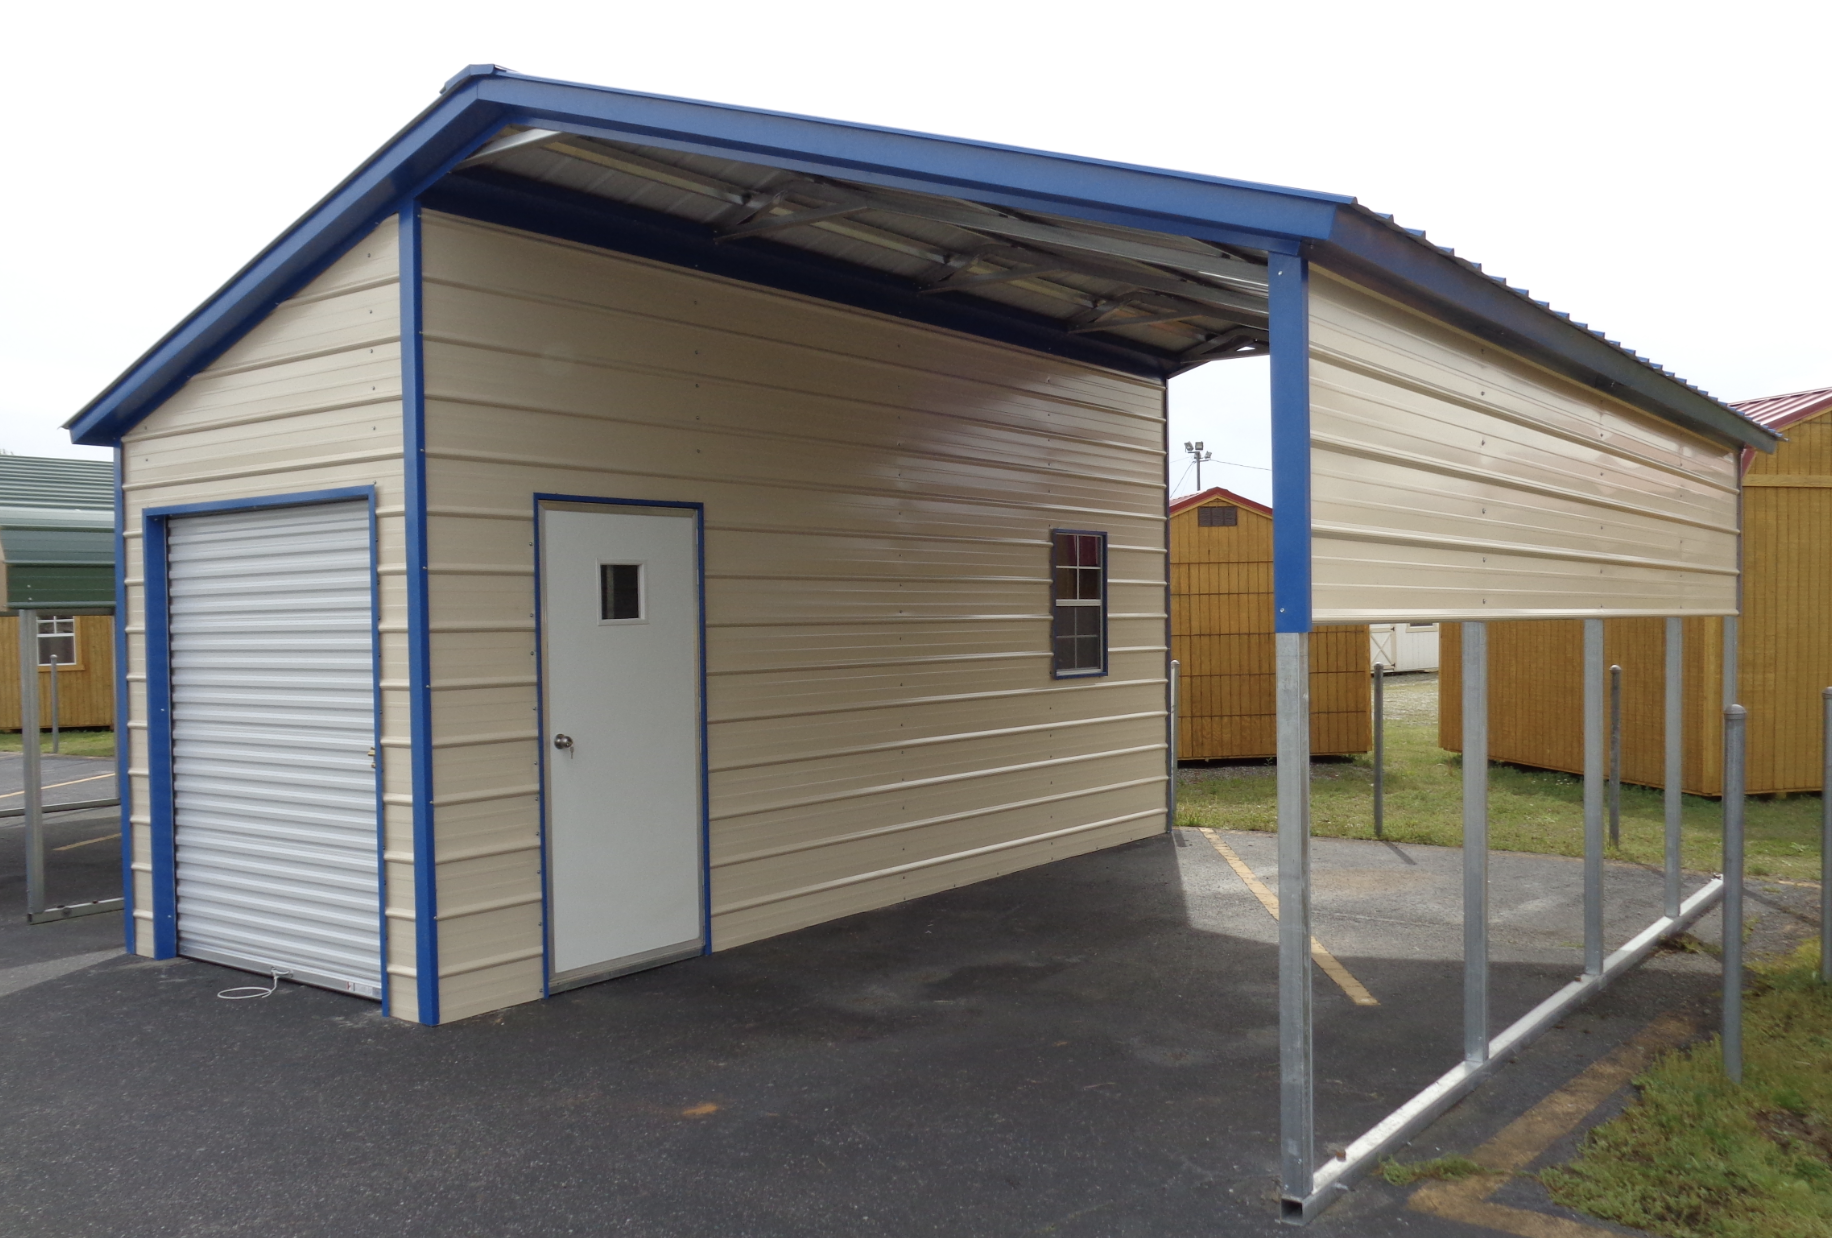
x: 878, y: 496
x: 309, y: 400
x: 1453, y: 480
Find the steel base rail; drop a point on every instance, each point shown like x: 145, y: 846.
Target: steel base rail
x: 1335, y: 1177
x: 69, y: 911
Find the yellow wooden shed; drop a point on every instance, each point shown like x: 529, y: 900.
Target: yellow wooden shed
x: 1784, y: 642
x: 1221, y: 635
x: 84, y: 648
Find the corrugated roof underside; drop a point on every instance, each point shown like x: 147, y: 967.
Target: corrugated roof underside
x: 1197, y: 313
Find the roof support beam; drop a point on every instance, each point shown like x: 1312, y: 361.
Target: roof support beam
x: 775, y: 223
x: 962, y: 283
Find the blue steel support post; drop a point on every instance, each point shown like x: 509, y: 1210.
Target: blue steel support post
x: 419, y: 645
x: 1291, y: 584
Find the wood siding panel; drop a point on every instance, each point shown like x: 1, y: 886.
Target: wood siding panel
x: 1221, y: 634
x: 307, y: 400
x: 85, y: 689
x: 1451, y: 480
x: 878, y: 496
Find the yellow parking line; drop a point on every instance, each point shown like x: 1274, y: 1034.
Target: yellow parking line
x: 1525, y: 1138
x: 73, y: 846
x: 1357, y: 992
x: 54, y: 785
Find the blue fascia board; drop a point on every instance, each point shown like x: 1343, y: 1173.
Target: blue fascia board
x: 1413, y: 272
x: 1154, y: 199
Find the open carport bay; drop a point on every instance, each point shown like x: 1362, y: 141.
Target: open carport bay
x: 1086, y: 1048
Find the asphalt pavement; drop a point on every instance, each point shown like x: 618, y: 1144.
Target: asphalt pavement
x: 1082, y: 1049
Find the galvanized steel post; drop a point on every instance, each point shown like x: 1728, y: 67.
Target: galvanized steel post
x: 1674, y: 776
x: 30, y: 767
x: 1380, y: 749
x: 1615, y: 756
x: 1297, y: 1137
x: 1593, y: 797
x: 1475, y: 843
x: 1170, y: 821
x: 1825, y: 848
x: 1735, y: 720
x: 54, y: 710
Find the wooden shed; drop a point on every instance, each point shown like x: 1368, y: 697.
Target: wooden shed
x: 1784, y: 642
x: 1221, y: 635
x: 57, y: 551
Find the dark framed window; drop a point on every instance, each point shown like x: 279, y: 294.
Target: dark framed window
x: 620, y: 593
x: 57, y: 640
x: 1078, y: 601
x: 1218, y: 516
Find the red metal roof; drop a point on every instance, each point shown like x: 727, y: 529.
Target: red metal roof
x: 1216, y: 492
x: 1779, y: 411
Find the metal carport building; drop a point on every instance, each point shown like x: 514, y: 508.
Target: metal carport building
x: 611, y: 527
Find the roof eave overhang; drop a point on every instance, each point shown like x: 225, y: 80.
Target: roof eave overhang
x: 480, y: 101
x: 1398, y: 265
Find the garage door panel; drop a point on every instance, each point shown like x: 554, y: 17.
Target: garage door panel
x: 273, y: 728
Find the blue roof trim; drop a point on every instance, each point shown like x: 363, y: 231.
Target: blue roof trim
x: 517, y: 203
x: 483, y: 98
x: 1414, y: 272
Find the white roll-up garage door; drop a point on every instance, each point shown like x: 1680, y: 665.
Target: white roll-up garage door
x: 273, y: 734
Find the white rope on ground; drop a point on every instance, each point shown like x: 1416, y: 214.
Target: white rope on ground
x: 245, y: 992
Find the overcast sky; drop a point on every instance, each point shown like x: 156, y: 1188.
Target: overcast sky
x: 1659, y: 170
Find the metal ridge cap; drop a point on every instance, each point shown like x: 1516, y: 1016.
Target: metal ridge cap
x: 1513, y: 316
x: 848, y: 126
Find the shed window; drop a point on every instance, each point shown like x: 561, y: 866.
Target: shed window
x: 1218, y: 515
x: 1078, y: 563
x: 57, y: 640
x: 620, y: 592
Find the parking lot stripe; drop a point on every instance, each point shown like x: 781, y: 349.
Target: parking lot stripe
x: 54, y: 785
x: 1345, y: 980
x: 73, y: 846
x: 1527, y: 1137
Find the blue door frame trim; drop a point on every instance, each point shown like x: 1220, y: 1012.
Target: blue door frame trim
x: 159, y: 688
x: 1291, y: 568
x: 419, y: 631
x: 699, y: 573
x: 1330, y: 227
x: 515, y: 202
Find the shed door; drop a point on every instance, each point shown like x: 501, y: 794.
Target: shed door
x: 273, y: 733
x: 620, y: 616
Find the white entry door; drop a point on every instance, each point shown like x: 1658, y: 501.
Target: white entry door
x: 272, y: 631
x: 620, y: 619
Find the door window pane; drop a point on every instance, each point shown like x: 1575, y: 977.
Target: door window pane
x: 620, y: 591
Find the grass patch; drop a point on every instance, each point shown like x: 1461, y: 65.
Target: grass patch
x: 1698, y: 1157
x: 1529, y: 810
x: 1448, y: 1168
x: 84, y: 742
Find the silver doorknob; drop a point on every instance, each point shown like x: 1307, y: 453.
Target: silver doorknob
x: 563, y: 743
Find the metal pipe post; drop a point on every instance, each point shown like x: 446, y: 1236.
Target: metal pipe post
x: 1825, y: 849
x: 29, y: 764
x: 1735, y: 718
x: 1674, y: 777
x: 1297, y: 1119
x: 1475, y: 843
x: 1593, y: 797
x: 1176, y: 685
x: 1380, y: 750
x: 54, y: 727
x: 1615, y: 756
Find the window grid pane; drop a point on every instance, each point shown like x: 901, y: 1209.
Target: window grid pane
x: 57, y: 639
x: 1078, y: 571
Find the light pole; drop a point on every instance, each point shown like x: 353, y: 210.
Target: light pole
x: 1198, y: 456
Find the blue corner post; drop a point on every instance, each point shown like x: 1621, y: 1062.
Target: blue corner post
x: 419, y: 649
x: 1291, y: 591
